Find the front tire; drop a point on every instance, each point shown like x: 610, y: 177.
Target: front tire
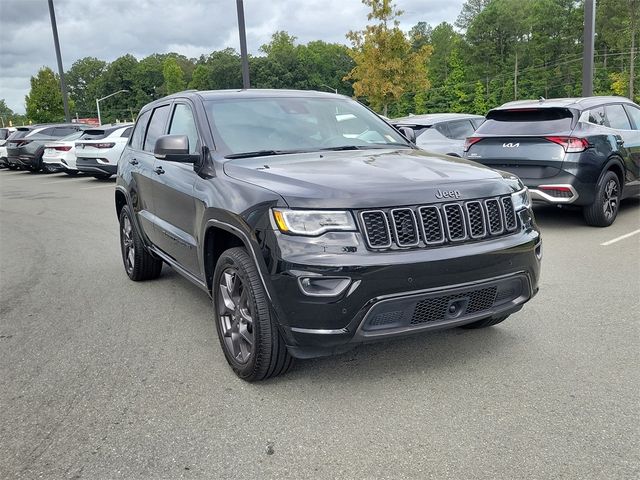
x: 246, y: 329
x: 485, y: 322
x: 604, y: 209
x: 139, y: 264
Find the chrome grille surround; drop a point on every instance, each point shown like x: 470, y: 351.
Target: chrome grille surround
x: 438, y: 224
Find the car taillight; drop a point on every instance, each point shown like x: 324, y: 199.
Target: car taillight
x: 570, y: 144
x: 61, y: 149
x: 470, y: 141
x: 104, y: 145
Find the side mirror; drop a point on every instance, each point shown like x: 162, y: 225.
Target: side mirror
x: 174, y: 148
x: 408, y: 133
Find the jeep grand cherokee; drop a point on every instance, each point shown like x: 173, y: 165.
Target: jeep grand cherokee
x: 313, y: 234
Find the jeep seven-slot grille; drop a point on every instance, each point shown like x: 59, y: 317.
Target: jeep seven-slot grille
x: 447, y: 223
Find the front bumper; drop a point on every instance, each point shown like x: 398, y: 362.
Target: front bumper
x: 400, y: 293
x: 92, y: 165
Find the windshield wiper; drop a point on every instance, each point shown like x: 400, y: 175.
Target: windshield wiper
x: 342, y: 147
x: 261, y: 153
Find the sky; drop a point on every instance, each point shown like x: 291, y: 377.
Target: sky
x: 107, y: 29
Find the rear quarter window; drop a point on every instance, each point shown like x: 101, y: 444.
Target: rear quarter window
x: 530, y: 121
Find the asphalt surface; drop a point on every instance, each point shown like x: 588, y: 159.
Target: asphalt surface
x: 104, y: 378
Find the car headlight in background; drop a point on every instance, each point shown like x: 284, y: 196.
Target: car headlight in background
x: 313, y: 222
x: 521, y: 199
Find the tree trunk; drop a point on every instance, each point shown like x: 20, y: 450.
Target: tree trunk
x: 384, y: 110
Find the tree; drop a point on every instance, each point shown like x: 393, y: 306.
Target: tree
x: 470, y: 10
x: 44, y: 101
x: 173, y: 76
x: 385, y: 64
x: 479, y: 106
x: 121, y: 74
x: 420, y: 35
x: 84, y: 81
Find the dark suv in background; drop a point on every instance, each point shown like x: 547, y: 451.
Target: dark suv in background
x: 568, y: 151
x: 309, y: 239
x: 26, y: 146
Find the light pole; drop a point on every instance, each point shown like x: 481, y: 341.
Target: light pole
x: 335, y: 90
x: 98, y: 100
x: 56, y: 44
x: 587, y: 47
x: 243, y: 45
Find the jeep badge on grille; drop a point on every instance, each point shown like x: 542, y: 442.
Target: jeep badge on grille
x: 448, y: 194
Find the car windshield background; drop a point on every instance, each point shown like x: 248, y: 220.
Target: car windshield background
x: 527, y: 122
x: 297, y: 124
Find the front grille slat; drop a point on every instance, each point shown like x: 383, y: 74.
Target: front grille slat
x: 438, y: 224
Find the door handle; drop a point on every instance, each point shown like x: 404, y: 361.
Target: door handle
x: 159, y: 170
x: 133, y: 161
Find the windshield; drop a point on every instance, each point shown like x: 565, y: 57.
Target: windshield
x: 269, y: 126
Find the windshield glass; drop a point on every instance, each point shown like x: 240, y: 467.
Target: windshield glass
x: 276, y: 125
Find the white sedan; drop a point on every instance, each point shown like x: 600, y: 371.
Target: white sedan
x: 98, y: 149
x: 60, y: 155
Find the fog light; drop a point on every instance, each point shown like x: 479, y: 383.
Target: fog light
x: 323, y: 286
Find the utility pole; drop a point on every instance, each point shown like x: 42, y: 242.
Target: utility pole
x: 515, y: 79
x: 633, y: 7
x: 243, y: 45
x: 56, y: 43
x: 588, y: 44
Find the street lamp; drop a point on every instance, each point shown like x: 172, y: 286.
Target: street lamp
x: 335, y: 90
x: 98, y: 100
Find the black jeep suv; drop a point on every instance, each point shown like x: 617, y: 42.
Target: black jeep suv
x: 312, y: 233
x: 568, y: 151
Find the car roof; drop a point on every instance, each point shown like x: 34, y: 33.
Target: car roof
x: 241, y: 93
x: 433, y: 118
x: 578, y: 103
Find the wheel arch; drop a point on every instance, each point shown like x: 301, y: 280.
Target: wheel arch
x: 615, y: 165
x: 218, y: 238
x: 121, y: 200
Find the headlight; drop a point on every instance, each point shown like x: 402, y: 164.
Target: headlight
x: 313, y: 222
x: 521, y: 199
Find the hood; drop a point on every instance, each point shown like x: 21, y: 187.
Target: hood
x: 367, y: 178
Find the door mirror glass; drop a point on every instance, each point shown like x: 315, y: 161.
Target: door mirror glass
x: 408, y: 133
x: 174, y: 148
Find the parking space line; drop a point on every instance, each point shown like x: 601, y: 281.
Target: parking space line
x: 98, y: 186
x: 621, y: 237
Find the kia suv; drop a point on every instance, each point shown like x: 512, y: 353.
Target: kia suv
x: 568, y: 151
x: 311, y: 240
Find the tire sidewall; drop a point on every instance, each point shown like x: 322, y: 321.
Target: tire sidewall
x: 601, y: 196
x: 243, y: 370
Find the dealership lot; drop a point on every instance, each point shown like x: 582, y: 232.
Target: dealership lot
x: 106, y: 378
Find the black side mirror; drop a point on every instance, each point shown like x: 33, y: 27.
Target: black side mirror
x: 174, y: 148
x: 408, y: 133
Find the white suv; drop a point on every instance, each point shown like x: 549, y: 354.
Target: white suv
x: 98, y: 149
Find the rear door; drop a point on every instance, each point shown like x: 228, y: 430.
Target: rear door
x: 523, y: 141
x: 173, y: 193
x: 626, y: 120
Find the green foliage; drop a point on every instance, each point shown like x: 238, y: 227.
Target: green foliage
x: 386, y: 65
x: 84, y: 84
x: 44, y: 101
x: 173, y: 76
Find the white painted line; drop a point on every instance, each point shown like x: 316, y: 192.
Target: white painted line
x: 112, y: 185
x: 621, y: 237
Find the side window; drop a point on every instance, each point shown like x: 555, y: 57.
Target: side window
x: 617, y: 117
x: 138, y: 133
x: 63, y: 131
x: 127, y: 132
x: 634, y: 114
x: 597, y: 117
x: 460, y: 129
x: 183, y: 123
x: 45, y: 131
x: 156, y: 127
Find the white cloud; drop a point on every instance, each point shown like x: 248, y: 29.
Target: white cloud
x: 109, y: 29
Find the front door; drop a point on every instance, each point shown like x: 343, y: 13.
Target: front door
x: 173, y: 194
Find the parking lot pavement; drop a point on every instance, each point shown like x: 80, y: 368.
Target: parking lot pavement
x: 103, y: 378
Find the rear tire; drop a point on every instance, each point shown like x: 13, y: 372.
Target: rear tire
x: 248, y: 333
x: 12, y: 167
x: 604, y: 209
x: 485, y: 322
x: 102, y: 176
x: 139, y: 264
x: 72, y: 173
